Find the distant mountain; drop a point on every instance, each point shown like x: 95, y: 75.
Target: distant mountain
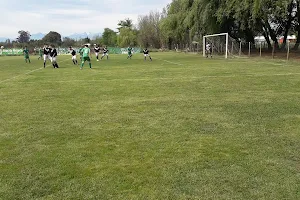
x: 3, y: 39
x: 37, y: 36
x: 77, y: 36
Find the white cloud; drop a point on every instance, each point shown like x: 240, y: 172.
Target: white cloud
x: 68, y: 16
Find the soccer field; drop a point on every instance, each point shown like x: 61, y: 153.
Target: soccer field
x: 180, y: 127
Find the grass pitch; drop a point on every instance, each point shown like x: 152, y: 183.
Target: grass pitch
x: 180, y: 127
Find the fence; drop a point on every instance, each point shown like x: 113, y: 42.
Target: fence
x: 112, y: 50
x: 245, y: 49
x: 11, y: 52
x: 64, y: 51
x: 261, y: 49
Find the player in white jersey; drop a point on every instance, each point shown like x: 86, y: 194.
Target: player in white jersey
x: 146, y: 54
x: 105, y: 53
x: 208, y: 49
x: 46, y: 51
x: 74, y: 58
x: 53, y: 55
x: 97, y: 50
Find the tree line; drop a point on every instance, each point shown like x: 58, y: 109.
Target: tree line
x: 184, y: 21
x: 242, y: 19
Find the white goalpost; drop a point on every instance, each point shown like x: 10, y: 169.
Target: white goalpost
x: 223, y: 41
x: 222, y: 45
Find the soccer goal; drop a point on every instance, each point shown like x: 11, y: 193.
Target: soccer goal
x: 221, y: 44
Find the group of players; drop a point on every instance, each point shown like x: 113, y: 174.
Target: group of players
x: 49, y: 52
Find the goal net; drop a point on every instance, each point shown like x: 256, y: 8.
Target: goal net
x: 221, y: 45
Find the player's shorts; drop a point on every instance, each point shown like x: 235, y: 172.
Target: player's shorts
x: 86, y: 59
x: 129, y: 53
x: 26, y: 56
x: 53, y: 59
x: 46, y: 56
x: 146, y: 55
x: 74, y: 57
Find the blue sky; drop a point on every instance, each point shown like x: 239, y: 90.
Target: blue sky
x: 70, y: 16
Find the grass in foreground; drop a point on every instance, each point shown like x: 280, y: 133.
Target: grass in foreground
x: 180, y: 127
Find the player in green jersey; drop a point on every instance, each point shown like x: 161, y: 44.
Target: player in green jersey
x: 129, y: 52
x: 40, y: 53
x: 80, y: 52
x: 86, y: 56
x: 26, y: 54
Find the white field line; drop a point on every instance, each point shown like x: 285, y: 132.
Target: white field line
x: 182, y: 78
x: 175, y: 63
x: 15, y: 77
x: 240, y: 61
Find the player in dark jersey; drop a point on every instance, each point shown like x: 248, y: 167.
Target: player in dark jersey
x: 46, y: 52
x: 53, y: 55
x: 146, y: 54
x: 105, y: 53
x: 74, y: 58
x: 97, y: 50
x: 26, y: 54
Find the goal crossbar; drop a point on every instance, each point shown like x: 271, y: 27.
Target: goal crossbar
x: 215, y: 35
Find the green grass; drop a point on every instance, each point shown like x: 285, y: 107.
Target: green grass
x: 180, y: 127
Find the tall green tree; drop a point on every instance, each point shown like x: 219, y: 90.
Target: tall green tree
x: 149, y: 30
x: 53, y: 38
x: 127, y: 23
x: 109, y: 37
x: 24, y: 36
x: 68, y: 42
x: 127, y: 37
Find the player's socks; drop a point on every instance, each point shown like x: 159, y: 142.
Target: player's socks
x: 29, y: 60
x: 56, y: 65
x: 90, y: 64
x: 150, y: 58
x: 44, y: 64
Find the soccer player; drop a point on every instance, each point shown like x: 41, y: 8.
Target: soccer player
x: 208, y: 50
x: 105, y: 53
x: 40, y: 53
x: 26, y: 54
x: 73, y: 53
x: 97, y: 50
x: 86, y: 56
x: 81, y: 52
x: 46, y: 51
x: 53, y: 54
x: 129, y: 52
x: 146, y: 53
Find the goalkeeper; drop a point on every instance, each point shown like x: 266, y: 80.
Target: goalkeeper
x: 208, y: 50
